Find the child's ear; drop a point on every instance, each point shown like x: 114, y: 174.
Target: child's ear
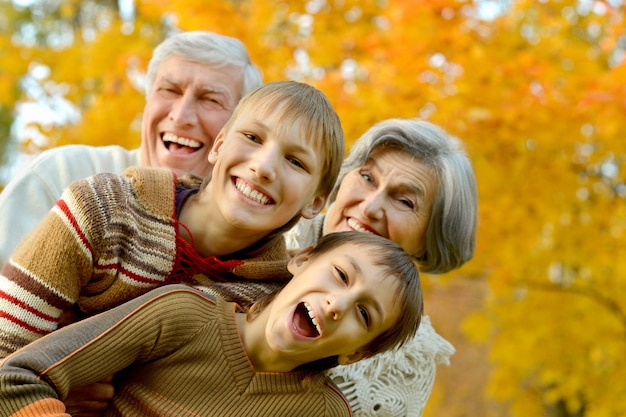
x: 357, y: 355
x: 217, y: 144
x: 299, y: 259
x: 314, y: 207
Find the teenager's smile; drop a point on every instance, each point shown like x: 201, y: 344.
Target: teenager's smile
x: 252, y: 192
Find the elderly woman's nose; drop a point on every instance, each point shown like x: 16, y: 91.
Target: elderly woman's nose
x: 373, y: 205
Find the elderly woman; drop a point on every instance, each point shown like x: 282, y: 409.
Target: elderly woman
x: 409, y: 181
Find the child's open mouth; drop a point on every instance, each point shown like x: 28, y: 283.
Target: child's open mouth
x: 305, y: 322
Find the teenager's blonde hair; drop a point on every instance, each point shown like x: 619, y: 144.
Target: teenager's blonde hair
x: 303, y: 103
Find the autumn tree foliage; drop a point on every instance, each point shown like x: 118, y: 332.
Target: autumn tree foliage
x: 537, y: 93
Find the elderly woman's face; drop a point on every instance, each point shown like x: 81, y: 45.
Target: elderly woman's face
x: 391, y: 195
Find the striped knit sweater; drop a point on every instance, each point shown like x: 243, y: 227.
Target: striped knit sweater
x: 109, y: 239
x: 181, y: 355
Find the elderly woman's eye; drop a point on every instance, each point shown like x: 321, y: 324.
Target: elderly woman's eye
x: 407, y: 203
x: 367, y: 177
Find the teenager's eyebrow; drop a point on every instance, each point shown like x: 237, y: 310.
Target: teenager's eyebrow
x: 359, y: 273
x: 295, y: 147
x: 258, y: 124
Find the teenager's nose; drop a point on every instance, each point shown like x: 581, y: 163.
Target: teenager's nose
x: 183, y: 111
x: 264, y: 163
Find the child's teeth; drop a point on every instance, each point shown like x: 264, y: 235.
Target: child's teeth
x: 313, y: 319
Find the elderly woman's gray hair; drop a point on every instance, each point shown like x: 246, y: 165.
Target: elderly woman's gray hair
x: 206, y: 48
x: 451, y: 233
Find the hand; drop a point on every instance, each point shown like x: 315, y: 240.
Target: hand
x: 90, y: 400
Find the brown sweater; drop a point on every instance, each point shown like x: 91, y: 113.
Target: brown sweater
x: 180, y: 355
x: 111, y: 238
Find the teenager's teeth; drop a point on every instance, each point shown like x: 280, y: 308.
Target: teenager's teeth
x: 250, y: 193
x: 170, y: 137
x: 356, y: 226
x: 313, y: 319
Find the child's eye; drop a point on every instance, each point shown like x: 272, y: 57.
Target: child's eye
x: 365, y: 315
x: 342, y: 275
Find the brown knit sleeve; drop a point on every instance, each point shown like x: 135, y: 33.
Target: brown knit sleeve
x: 269, y: 264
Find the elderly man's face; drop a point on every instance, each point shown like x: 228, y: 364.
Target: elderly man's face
x: 185, y: 110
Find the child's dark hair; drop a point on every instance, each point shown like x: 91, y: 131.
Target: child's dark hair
x: 395, y: 262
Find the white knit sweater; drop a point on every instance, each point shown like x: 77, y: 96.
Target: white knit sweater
x: 29, y: 196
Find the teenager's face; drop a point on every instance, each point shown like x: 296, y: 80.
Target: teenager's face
x: 263, y: 176
x: 332, y: 306
x: 185, y: 109
x: 391, y: 195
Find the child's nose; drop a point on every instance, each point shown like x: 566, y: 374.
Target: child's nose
x: 336, y: 306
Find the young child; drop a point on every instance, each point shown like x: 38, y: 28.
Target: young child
x: 176, y: 348
x: 113, y: 237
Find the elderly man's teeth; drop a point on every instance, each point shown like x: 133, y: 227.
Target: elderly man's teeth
x: 250, y: 193
x: 170, y: 137
x: 356, y: 226
x: 313, y: 319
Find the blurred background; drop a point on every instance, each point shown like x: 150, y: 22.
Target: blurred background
x: 535, y: 89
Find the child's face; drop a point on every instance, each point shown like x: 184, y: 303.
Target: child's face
x: 336, y: 304
x: 264, y: 174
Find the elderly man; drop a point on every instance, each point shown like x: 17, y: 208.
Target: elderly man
x: 194, y: 81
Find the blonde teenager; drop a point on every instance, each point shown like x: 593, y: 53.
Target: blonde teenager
x: 113, y: 237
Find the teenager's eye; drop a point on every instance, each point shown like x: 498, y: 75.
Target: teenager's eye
x: 365, y: 315
x: 252, y: 137
x: 295, y: 162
